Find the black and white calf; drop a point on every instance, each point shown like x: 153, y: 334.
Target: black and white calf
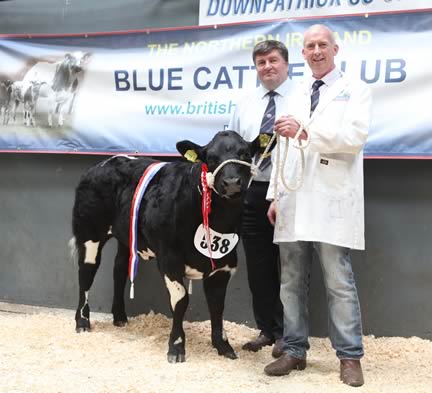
x: 62, y: 85
x: 30, y: 99
x: 170, y: 227
x: 65, y: 82
x: 5, y: 95
x: 25, y: 93
x: 15, y: 98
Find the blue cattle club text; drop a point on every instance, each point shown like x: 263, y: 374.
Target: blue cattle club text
x: 206, y: 78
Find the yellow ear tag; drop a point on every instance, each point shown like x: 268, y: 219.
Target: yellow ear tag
x: 190, y: 155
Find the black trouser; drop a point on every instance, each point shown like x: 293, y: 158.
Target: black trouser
x: 262, y: 261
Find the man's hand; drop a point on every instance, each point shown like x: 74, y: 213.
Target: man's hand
x: 271, y: 213
x: 288, y: 126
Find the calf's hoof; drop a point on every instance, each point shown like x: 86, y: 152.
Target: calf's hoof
x: 82, y: 325
x: 225, y: 349
x: 230, y: 355
x: 176, y: 358
x: 119, y: 318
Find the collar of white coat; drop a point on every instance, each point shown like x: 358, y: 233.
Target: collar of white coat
x: 338, y: 85
x: 328, y: 79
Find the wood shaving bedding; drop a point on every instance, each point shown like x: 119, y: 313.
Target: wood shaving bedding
x: 40, y: 352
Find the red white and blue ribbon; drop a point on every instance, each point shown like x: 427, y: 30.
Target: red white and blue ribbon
x: 133, y: 226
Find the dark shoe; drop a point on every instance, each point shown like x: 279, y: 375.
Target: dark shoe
x: 284, y: 365
x: 351, y: 372
x: 277, y: 351
x: 258, y: 343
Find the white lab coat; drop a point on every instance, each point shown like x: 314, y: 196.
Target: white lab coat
x: 329, y: 206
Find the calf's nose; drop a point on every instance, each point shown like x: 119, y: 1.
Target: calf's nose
x: 232, y: 185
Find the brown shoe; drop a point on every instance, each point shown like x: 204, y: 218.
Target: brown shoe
x: 284, y: 365
x: 351, y: 372
x: 277, y: 351
x: 258, y: 343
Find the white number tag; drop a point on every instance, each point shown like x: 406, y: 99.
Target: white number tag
x: 221, y: 244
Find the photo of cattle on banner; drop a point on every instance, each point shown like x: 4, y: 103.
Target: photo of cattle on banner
x: 186, y: 214
x: 43, y: 92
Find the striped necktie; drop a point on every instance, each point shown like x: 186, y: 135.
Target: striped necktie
x: 269, y: 115
x: 266, y: 129
x: 315, y: 95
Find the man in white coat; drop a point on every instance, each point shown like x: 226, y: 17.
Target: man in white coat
x: 326, y: 213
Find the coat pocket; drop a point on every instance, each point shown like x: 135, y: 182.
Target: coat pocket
x: 331, y: 175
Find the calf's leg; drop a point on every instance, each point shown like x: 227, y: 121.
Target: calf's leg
x: 59, y: 111
x: 6, y: 115
x: 179, y: 300
x: 120, y: 275
x: 215, y: 289
x: 89, y: 256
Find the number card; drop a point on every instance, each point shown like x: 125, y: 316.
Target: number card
x: 221, y: 243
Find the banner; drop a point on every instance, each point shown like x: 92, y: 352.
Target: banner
x: 141, y: 92
x: 234, y: 11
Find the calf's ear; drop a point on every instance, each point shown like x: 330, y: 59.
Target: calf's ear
x: 254, y: 145
x: 189, y: 150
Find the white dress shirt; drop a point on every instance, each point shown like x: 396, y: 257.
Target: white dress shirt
x: 249, y: 112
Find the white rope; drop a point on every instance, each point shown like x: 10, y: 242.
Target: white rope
x: 212, y: 176
x: 280, y: 170
x: 299, y: 146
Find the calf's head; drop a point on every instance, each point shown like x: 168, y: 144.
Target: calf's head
x: 76, y: 61
x: 232, y: 179
x: 67, y: 70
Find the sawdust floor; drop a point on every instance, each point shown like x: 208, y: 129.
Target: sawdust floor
x: 40, y: 352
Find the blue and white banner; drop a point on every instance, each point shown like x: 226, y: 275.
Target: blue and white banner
x: 141, y: 92
x: 235, y: 11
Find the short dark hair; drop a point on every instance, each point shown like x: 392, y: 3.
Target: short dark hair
x: 265, y: 47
